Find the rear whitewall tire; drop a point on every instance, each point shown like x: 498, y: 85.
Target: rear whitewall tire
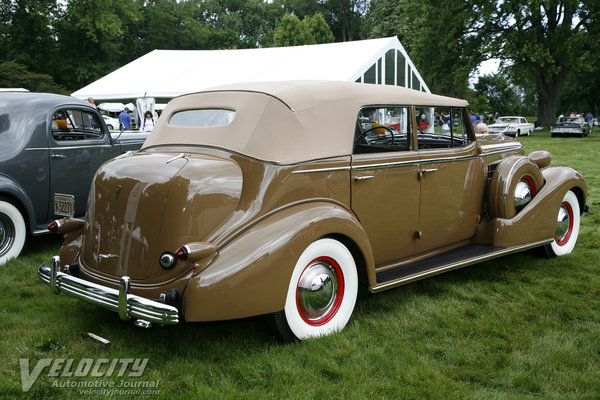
x: 326, y: 262
x: 12, y: 232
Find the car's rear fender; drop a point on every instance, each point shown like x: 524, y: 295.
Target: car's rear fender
x: 250, y: 275
x: 11, y: 190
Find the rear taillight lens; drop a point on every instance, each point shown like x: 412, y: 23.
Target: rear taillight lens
x: 53, y: 226
x: 182, y: 253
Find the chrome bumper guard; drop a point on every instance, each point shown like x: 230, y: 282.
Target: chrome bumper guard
x: 127, y: 305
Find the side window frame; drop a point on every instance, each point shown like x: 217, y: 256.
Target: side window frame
x: 466, y: 135
x: 74, y: 131
x: 453, y: 142
x: 409, y: 129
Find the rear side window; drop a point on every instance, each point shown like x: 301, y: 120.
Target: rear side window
x: 73, y: 124
x: 202, y: 118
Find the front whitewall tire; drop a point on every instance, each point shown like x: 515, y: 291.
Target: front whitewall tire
x: 325, y: 260
x: 566, y: 237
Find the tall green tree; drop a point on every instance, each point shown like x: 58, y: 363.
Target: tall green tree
x: 14, y: 75
x: 441, y: 40
x: 345, y: 18
x: 501, y: 96
x: 90, y: 35
x: 239, y: 23
x: 543, y: 40
x: 319, y: 29
x: 165, y: 24
x: 26, y: 32
x: 292, y: 32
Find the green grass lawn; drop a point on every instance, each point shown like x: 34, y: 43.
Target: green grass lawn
x: 518, y: 327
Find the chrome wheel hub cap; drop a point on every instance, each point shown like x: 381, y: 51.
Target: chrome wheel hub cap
x: 7, y: 234
x: 317, y: 290
x: 563, y: 223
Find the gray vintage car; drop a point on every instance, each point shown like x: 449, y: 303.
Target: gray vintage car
x: 51, y: 147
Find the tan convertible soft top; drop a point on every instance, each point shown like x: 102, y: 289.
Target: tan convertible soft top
x: 285, y: 122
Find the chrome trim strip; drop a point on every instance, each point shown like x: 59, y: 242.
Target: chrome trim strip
x: 504, y: 146
x: 457, y: 158
x: 498, y: 152
x: 120, y: 301
x: 102, y: 146
x: 386, y: 165
x: 409, y: 163
x: 414, y: 162
x: 455, y: 265
x: 306, y: 171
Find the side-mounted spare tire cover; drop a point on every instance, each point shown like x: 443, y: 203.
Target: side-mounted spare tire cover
x: 514, y: 174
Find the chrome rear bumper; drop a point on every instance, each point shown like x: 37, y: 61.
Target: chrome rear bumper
x: 127, y: 305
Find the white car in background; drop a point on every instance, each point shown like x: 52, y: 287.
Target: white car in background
x: 111, y: 123
x: 513, y: 126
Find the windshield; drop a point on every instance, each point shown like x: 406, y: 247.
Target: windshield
x: 570, y: 120
x: 507, y: 120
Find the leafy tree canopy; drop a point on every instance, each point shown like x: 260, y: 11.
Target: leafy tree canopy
x: 545, y: 41
x: 311, y: 30
x: 14, y: 75
x: 500, y: 96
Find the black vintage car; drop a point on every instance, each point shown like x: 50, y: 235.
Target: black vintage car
x: 51, y: 146
x: 570, y: 126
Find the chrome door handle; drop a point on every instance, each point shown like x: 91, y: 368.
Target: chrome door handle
x: 426, y: 171
x: 57, y: 156
x: 362, y: 178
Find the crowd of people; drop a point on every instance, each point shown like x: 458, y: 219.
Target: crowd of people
x: 487, y: 119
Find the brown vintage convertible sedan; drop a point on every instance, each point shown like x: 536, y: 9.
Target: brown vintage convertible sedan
x: 281, y: 198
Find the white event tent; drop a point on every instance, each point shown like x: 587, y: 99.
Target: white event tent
x: 165, y: 74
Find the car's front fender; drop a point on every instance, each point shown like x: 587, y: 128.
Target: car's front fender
x: 250, y: 275
x: 537, y: 221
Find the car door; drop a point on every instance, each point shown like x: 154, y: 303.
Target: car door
x: 385, y: 188
x: 451, y: 180
x: 79, y: 144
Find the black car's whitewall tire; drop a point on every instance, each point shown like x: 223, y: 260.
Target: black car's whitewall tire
x: 321, y: 294
x: 567, y: 227
x: 12, y: 232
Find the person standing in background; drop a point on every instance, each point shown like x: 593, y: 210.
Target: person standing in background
x: 148, y: 122
x: 125, y: 119
x: 589, y: 118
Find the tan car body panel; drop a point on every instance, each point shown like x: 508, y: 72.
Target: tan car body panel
x: 260, y: 197
x: 234, y: 289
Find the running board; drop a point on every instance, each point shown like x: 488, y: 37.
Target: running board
x: 453, y: 259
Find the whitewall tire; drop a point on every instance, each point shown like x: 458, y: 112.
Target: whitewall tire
x: 567, y: 227
x: 12, y: 232
x: 321, y: 294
